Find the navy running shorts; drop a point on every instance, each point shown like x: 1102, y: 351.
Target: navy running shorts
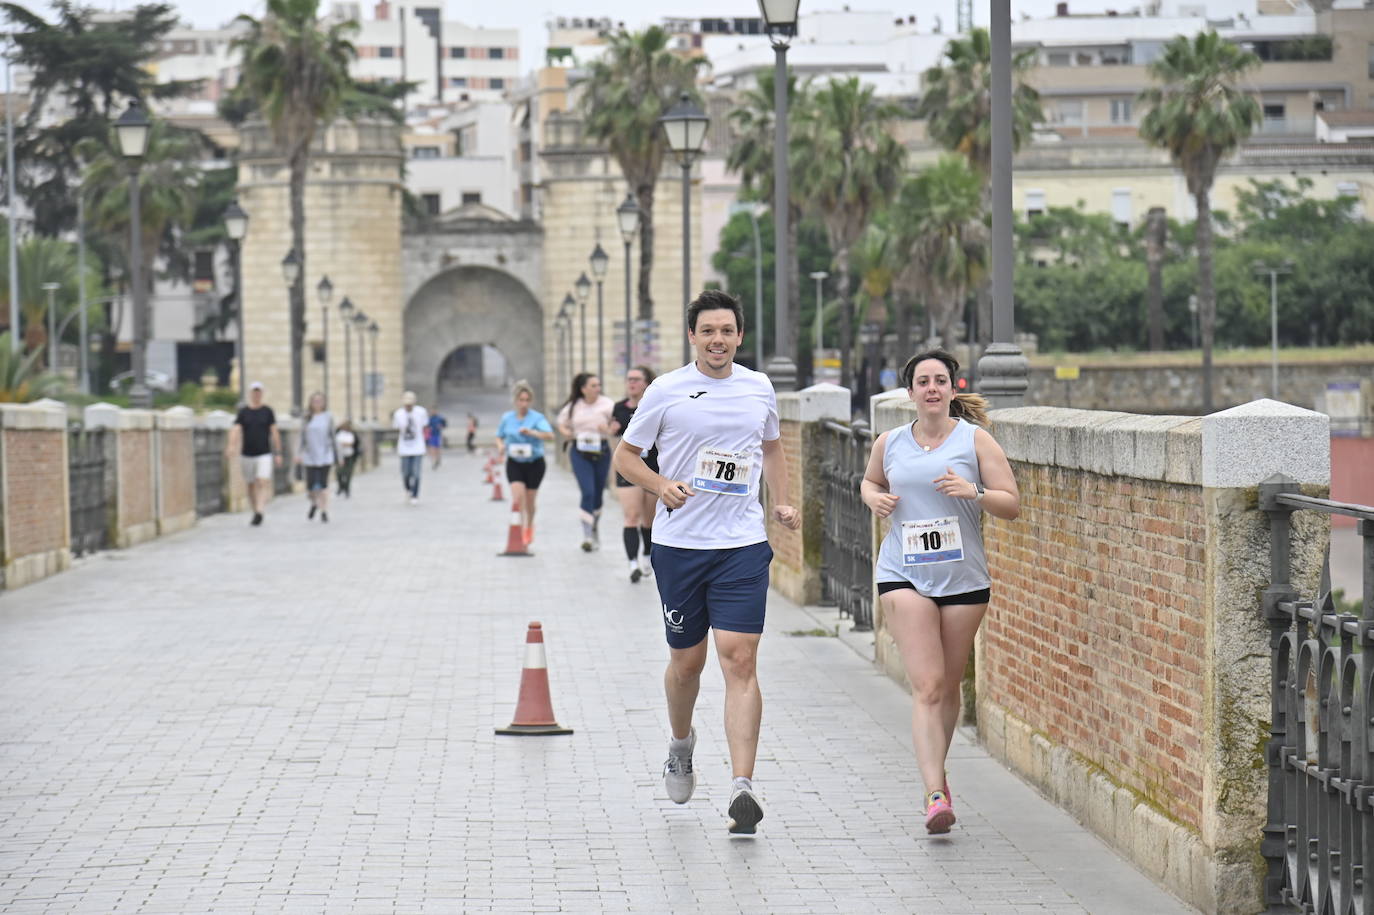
x: 711, y: 589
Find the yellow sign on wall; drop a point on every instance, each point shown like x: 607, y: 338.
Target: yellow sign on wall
x: 1066, y: 372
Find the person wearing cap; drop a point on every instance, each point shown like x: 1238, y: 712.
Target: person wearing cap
x: 255, y: 437
x: 409, y: 421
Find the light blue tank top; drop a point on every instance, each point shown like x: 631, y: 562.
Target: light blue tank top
x: 928, y: 557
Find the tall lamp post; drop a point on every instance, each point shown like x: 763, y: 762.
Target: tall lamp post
x: 560, y: 324
x: 236, y: 227
x: 578, y: 300
x: 132, y: 131
x: 1003, y: 368
x: 346, y: 315
x: 685, y: 127
x: 600, y: 261
x: 780, y: 22
x: 373, y: 388
x: 325, y: 290
x: 360, y: 322
x: 753, y: 210
x: 291, y: 272
x: 819, y: 276
x: 627, y: 216
x: 50, y: 288
x: 1274, y: 273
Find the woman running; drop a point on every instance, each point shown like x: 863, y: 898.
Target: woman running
x: 586, y: 421
x: 520, y: 439
x: 934, y: 478
x: 636, y: 504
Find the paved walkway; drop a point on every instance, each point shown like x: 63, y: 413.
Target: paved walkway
x: 299, y: 718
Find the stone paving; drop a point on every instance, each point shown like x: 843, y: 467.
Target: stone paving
x: 299, y: 718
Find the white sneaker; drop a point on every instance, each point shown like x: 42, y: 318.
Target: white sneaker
x: 678, y: 776
x: 414, y: 501
x: 745, y: 812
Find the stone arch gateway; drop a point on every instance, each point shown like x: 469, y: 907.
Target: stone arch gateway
x: 467, y: 305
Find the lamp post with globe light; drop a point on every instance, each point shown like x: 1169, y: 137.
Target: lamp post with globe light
x: 685, y: 127
x: 132, y: 130
x: 780, y: 22
x: 236, y: 227
x: 627, y: 215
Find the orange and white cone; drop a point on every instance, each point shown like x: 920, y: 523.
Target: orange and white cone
x: 496, y: 488
x: 515, y: 537
x: 534, y: 708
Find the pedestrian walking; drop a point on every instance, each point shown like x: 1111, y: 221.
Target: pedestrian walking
x: 520, y: 439
x: 585, y: 420
x: 472, y: 433
x: 346, y: 449
x: 409, y: 422
x: 715, y: 424
x: 434, y: 436
x: 315, y: 452
x: 636, y: 504
x: 255, y: 438
x: 934, y: 478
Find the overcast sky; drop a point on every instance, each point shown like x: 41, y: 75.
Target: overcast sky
x: 530, y: 15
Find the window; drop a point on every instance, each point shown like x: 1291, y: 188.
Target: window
x: 1273, y: 111
x: 203, y: 272
x: 1061, y: 59
x: 1068, y: 111
x: 496, y: 82
x: 496, y: 53
x: 458, y: 82
x: 1329, y: 100
x: 386, y: 51
x: 431, y: 202
x: 471, y: 197
x: 457, y: 53
x: 1121, y: 111
x: 424, y: 152
x: 1121, y: 206
x: 1035, y: 203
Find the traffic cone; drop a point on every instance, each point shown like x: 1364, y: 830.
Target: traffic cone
x: 534, y: 708
x: 496, y: 489
x: 515, y: 537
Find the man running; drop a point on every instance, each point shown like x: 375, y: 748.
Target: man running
x: 715, y: 425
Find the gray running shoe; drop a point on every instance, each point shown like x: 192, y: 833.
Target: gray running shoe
x: 745, y: 812
x: 678, y: 776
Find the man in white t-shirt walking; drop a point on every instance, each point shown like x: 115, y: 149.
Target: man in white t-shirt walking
x: 715, y: 425
x: 409, y: 422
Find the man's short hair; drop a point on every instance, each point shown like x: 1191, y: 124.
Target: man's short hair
x: 711, y: 300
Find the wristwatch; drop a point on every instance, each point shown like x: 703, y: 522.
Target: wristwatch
x: 981, y: 492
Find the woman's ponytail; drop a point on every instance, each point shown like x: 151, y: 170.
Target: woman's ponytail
x: 972, y: 407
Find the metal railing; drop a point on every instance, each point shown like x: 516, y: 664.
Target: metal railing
x: 209, y: 452
x: 1319, y: 837
x: 847, y: 544
x: 90, y: 489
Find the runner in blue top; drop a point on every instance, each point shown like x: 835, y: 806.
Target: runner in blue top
x: 520, y: 436
x: 434, y: 436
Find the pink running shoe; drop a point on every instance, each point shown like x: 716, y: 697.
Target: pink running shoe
x: 939, y: 813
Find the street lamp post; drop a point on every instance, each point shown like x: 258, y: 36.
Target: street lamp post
x: 132, y: 131
x: 627, y: 215
x: 599, y: 261
x: 13, y: 200
x: 372, y: 331
x: 50, y: 288
x: 360, y: 322
x: 819, y: 276
x: 685, y: 127
x: 325, y: 290
x: 753, y: 210
x: 560, y: 324
x: 1003, y: 367
x: 236, y: 227
x: 346, y: 315
x: 291, y: 272
x: 780, y: 22
x: 83, y: 357
x: 581, y: 289
x: 1274, y: 272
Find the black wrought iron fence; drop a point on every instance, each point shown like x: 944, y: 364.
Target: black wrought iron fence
x: 209, y: 448
x: 1319, y: 838
x: 91, y: 489
x: 847, y: 545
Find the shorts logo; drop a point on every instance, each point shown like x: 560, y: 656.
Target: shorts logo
x: 673, y: 618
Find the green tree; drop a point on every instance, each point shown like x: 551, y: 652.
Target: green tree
x: 91, y: 66
x: 297, y: 74
x: 853, y: 167
x: 1200, y: 114
x: 21, y: 379
x: 628, y: 89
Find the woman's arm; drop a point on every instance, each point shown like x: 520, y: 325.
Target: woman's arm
x: 874, y: 489
x: 1001, y: 496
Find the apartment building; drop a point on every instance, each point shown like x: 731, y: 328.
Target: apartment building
x: 462, y: 156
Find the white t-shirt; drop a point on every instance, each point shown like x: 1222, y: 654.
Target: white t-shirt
x: 410, y: 430
x: 706, y: 429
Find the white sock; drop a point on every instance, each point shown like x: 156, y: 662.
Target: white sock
x: 634, y: 565
x: 742, y: 784
x: 680, y: 746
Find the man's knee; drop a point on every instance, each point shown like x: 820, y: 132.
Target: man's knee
x: 687, y: 663
x: 738, y: 656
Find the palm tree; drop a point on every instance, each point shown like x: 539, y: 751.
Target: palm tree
x: 1200, y: 116
x: 751, y: 156
x: 297, y: 74
x: 874, y: 261
x: 941, y: 228
x: 20, y: 378
x: 628, y: 89
x: 853, y: 165
x: 957, y: 107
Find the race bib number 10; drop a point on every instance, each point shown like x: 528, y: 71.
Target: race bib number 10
x: 727, y: 473
x: 931, y: 541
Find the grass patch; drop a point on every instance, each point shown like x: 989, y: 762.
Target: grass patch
x: 816, y: 633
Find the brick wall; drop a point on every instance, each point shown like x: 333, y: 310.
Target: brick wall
x: 178, y: 470
x: 787, y: 544
x: 35, y: 485
x: 136, y: 496
x: 1096, y: 624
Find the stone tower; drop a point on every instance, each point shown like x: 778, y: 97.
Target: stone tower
x: 352, y: 234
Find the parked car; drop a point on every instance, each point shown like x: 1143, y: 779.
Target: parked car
x: 156, y: 381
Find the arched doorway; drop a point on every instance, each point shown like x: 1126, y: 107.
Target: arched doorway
x: 470, y: 331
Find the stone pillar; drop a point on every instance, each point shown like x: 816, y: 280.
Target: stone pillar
x: 35, y: 513
x: 1124, y: 666
x: 235, y: 493
x: 135, y: 510
x: 1003, y: 375
x: 176, y: 470
x: 796, y: 569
